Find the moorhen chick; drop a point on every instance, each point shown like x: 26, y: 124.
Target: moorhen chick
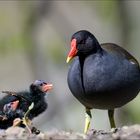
x: 102, y: 76
x: 8, y: 113
x: 16, y: 104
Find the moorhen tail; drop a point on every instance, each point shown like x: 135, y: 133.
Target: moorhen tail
x: 102, y: 76
x: 16, y: 104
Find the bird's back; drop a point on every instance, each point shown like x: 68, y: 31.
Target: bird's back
x: 113, y: 48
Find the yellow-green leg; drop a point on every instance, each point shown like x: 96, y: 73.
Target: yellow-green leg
x: 88, y: 117
x: 24, y: 120
x: 111, y: 118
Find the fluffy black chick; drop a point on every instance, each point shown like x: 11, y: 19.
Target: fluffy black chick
x: 15, y: 104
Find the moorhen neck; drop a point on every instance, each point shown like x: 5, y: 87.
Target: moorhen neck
x: 102, y: 76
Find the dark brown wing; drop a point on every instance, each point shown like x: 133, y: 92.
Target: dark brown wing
x: 16, y: 95
x: 3, y: 117
x: 113, y: 48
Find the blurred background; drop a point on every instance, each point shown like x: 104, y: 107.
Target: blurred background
x: 34, y: 42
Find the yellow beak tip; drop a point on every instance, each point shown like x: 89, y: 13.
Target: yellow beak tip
x: 68, y: 59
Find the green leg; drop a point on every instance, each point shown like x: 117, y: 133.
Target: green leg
x: 111, y: 118
x: 25, y: 120
x: 88, y: 117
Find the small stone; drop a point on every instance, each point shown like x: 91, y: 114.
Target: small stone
x: 41, y: 136
x: 15, y: 131
x: 115, y: 136
x: 125, y: 127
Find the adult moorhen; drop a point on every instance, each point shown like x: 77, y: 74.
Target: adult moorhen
x: 102, y: 76
x: 16, y: 104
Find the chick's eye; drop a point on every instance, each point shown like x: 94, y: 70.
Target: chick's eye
x: 8, y: 106
x: 41, y: 84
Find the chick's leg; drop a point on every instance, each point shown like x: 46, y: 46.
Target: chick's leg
x: 25, y: 120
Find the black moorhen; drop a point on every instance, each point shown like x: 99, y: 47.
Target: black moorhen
x: 103, y: 76
x: 16, y: 104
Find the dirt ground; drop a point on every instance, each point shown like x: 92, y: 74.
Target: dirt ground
x: 124, y: 133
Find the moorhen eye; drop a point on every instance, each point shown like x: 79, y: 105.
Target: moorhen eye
x: 102, y: 76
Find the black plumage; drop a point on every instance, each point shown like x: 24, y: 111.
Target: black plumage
x: 8, y: 113
x: 103, y: 76
x: 36, y: 95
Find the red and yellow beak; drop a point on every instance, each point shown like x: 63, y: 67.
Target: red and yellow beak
x: 14, y: 105
x: 73, y: 50
x: 47, y: 87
